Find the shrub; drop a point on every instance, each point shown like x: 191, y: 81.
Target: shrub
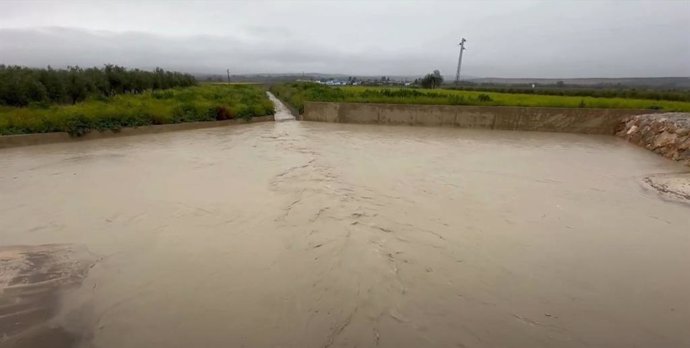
x: 108, y: 123
x: 167, y: 94
x: 484, y: 98
x: 78, y: 125
x: 220, y: 113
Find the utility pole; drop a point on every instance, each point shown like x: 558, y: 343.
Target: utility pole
x: 228, y: 71
x: 462, y: 48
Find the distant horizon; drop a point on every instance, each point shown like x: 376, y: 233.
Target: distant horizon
x: 223, y: 73
x: 448, y: 75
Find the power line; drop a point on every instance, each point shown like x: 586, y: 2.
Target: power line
x: 462, y: 48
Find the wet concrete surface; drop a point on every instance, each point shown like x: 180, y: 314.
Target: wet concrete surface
x: 300, y: 234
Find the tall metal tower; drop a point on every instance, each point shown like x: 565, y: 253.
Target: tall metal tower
x: 462, y: 48
x: 228, y: 71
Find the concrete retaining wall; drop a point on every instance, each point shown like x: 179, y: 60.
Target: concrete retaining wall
x: 45, y: 138
x: 571, y: 120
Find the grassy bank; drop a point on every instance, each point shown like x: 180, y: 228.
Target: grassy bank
x: 199, y: 103
x: 297, y: 93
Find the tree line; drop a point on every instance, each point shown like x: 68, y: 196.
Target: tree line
x: 433, y: 80
x: 22, y: 86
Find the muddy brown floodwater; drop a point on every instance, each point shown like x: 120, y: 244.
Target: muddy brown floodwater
x: 298, y: 234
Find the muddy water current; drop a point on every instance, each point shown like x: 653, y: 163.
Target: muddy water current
x: 299, y: 234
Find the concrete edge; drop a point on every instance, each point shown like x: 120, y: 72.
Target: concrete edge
x: 647, y: 111
x: 546, y: 119
x: 293, y: 110
x: 7, y: 141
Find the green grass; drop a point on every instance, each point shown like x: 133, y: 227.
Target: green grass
x: 199, y: 103
x: 297, y: 93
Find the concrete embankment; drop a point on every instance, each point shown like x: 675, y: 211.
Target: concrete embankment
x: 667, y: 134
x: 57, y: 137
x: 569, y: 120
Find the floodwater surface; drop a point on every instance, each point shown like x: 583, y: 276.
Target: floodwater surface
x: 299, y: 234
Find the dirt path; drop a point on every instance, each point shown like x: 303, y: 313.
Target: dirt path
x: 301, y: 234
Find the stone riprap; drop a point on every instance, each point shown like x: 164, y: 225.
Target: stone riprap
x: 667, y: 134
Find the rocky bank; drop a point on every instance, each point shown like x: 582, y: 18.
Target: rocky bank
x: 667, y: 134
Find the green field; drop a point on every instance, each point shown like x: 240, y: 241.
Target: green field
x: 297, y: 93
x: 189, y: 104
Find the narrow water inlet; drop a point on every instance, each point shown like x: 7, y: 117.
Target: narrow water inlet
x: 282, y: 112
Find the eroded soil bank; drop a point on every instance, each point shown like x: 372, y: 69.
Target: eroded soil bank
x: 300, y: 234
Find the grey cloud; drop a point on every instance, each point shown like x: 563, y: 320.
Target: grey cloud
x: 60, y: 46
x: 506, y: 38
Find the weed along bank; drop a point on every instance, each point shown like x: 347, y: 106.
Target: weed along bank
x: 158, y: 107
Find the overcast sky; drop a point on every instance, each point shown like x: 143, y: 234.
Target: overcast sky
x: 505, y: 38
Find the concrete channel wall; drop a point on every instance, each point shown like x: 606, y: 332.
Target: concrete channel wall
x: 46, y: 138
x: 570, y: 120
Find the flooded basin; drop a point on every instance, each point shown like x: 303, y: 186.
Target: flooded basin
x: 300, y: 234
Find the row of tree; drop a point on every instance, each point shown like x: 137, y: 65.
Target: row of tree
x: 22, y: 86
x: 433, y: 80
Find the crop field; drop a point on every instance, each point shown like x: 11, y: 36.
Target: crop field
x: 188, y: 104
x: 297, y: 93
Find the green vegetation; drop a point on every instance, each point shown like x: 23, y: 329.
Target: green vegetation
x: 433, y: 80
x: 198, y: 103
x: 585, y: 91
x: 20, y: 86
x: 296, y: 94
